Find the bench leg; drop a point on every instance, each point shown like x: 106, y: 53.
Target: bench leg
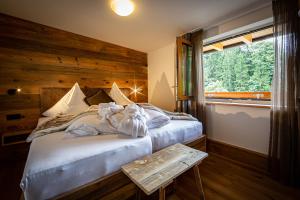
x: 138, y: 194
x: 162, y: 193
x: 198, y: 182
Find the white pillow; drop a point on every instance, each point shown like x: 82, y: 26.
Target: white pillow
x: 156, y: 119
x: 71, y: 103
x: 117, y: 95
x: 90, y: 125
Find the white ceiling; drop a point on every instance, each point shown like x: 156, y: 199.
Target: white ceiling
x: 152, y: 25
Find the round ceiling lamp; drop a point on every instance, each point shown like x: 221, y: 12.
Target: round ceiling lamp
x: 122, y: 7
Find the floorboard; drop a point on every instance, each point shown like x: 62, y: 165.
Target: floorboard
x: 225, y: 180
x: 10, y: 176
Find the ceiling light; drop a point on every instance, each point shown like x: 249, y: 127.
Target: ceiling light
x: 122, y: 7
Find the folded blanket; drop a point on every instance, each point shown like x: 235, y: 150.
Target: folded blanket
x: 156, y: 119
x: 90, y: 125
x: 58, y: 123
x: 172, y: 115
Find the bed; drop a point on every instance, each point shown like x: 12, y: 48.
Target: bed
x: 64, y: 167
x: 177, y: 131
x: 57, y: 163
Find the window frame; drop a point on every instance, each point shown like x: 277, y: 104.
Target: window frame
x: 264, y: 97
x: 180, y: 95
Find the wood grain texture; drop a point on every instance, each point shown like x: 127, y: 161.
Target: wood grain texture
x: 108, y: 187
x: 162, y: 193
x: 198, y: 182
x: 241, y: 156
x: 159, y: 169
x: 199, y: 143
x: 34, y: 56
x: 225, y: 180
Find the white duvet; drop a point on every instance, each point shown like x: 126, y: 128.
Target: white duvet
x: 58, y: 162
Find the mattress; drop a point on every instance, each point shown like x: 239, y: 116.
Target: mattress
x: 177, y: 131
x: 58, y: 162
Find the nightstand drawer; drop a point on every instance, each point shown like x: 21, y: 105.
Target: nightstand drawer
x: 15, y: 138
x: 16, y: 120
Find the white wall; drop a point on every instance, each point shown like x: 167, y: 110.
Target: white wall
x: 246, y: 127
x: 239, y: 126
x: 161, y: 77
x: 253, y: 17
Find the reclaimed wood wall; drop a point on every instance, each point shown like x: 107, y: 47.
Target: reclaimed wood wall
x: 34, y: 56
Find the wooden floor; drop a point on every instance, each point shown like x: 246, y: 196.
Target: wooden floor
x: 12, y: 163
x: 10, y: 176
x: 221, y: 180
x: 225, y: 180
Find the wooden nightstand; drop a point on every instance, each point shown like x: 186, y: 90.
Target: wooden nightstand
x: 16, y: 125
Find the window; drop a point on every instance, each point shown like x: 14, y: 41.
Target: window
x: 185, y: 93
x: 186, y: 69
x: 185, y: 84
x: 240, y: 68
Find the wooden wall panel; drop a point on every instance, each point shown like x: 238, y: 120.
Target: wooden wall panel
x: 34, y: 56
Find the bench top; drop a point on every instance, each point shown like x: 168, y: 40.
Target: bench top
x: 159, y: 169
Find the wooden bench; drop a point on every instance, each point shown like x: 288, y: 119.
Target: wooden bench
x: 157, y: 171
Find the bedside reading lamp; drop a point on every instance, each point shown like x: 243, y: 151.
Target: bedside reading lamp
x: 13, y: 91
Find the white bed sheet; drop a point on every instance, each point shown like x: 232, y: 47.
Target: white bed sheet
x: 177, y: 131
x: 59, y: 162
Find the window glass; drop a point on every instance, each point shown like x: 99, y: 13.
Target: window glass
x: 240, y: 72
x: 186, y: 70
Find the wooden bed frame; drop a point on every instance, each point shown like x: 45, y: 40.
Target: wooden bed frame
x: 111, y: 187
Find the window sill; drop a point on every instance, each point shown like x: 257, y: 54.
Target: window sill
x: 238, y: 104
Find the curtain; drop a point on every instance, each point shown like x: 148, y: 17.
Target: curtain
x: 284, y: 150
x: 189, y: 61
x: 199, y: 97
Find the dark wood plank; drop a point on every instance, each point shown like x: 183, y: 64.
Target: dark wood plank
x: 223, y: 179
x: 199, y: 144
x: 239, y: 155
x: 38, y: 57
x: 21, y: 101
x: 21, y: 29
x: 108, y: 186
x: 162, y: 193
x: 198, y: 182
x: 25, y: 45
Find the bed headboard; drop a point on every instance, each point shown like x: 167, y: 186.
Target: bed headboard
x: 49, y: 96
